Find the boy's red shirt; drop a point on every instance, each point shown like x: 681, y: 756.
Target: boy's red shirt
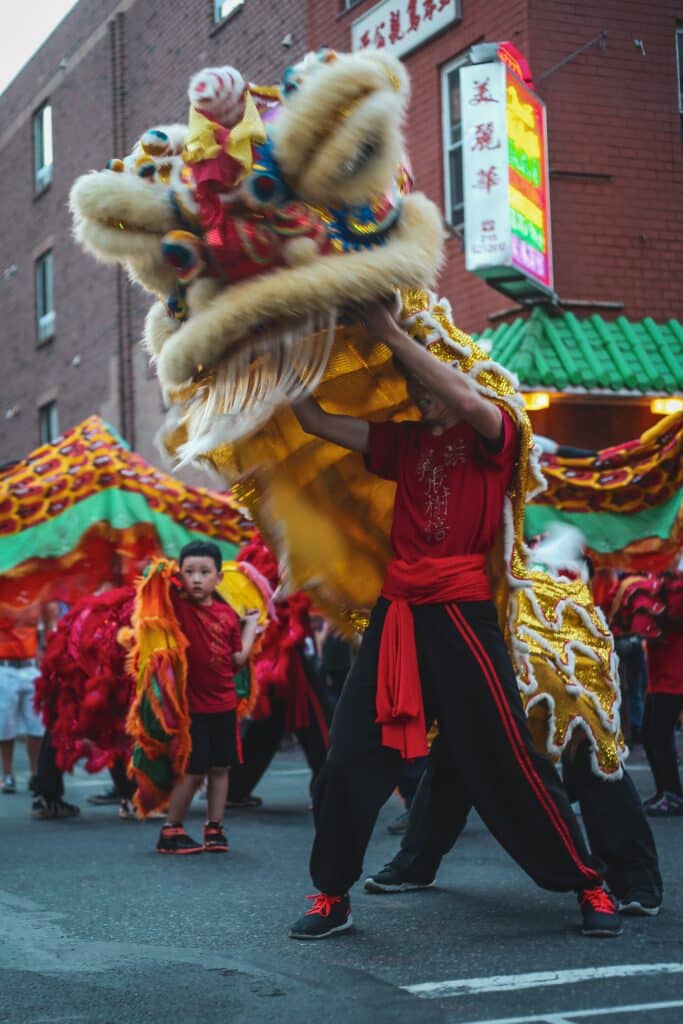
x: 213, y: 633
x: 451, y: 486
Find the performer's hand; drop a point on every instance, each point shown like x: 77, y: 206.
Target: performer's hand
x: 379, y: 321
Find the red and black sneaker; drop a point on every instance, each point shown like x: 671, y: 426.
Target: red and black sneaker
x: 174, y: 839
x: 599, y: 913
x: 329, y: 914
x: 215, y: 839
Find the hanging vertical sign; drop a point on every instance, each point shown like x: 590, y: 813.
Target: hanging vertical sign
x: 505, y: 180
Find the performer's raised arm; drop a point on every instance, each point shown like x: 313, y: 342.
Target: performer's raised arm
x: 430, y: 379
x: 346, y: 431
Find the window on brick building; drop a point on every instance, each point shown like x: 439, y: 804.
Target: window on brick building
x: 222, y: 9
x: 48, y: 423
x: 679, y: 64
x: 42, y: 147
x: 348, y: 4
x: 45, y: 312
x: 454, y: 205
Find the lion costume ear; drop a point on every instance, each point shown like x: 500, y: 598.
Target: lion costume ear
x: 341, y: 142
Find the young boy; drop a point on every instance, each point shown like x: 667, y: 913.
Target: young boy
x: 434, y: 650
x: 217, y: 649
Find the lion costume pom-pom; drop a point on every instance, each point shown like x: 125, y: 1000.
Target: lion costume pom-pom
x: 219, y: 94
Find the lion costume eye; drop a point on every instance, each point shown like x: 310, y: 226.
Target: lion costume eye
x: 290, y: 81
x: 358, y: 160
x: 266, y: 189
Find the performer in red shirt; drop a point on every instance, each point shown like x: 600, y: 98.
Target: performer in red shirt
x: 434, y: 650
x: 217, y: 649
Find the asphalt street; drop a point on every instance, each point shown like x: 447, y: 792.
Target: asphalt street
x: 95, y: 927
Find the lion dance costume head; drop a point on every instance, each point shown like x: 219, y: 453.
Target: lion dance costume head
x: 257, y: 226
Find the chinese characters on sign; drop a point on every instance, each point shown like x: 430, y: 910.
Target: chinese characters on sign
x: 484, y: 158
x: 505, y: 170
x: 400, y: 26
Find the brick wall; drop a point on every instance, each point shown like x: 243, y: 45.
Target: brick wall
x: 159, y: 47
x: 84, y: 292
x: 614, y: 113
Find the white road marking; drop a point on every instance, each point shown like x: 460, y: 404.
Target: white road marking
x: 537, y: 979
x: 571, y: 1016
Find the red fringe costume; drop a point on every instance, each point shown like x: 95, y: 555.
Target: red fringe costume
x: 84, y: 690
x: 277, y: 665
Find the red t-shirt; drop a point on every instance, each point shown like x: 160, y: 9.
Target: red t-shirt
x: 665, y: 662
x: 19, y: 643
x: 450, y: 486
x: 214, y: 635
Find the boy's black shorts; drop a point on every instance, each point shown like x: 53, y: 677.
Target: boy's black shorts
x: 214, y: 741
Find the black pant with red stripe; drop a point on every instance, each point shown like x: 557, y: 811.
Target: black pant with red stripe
x: 469, y: 687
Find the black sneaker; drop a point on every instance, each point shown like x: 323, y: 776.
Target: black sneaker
x: 215, y: 839
x: 245, y: 801
x: 110, y: 796
x: 640, y: 904
x: 329, y: 914
x: 174, y: 839
x: 600, y: 918
x: 667, y: 805
x: 43, y: 809
x: 391, y: 879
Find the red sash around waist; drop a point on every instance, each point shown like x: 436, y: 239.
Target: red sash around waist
x: 400, y: 710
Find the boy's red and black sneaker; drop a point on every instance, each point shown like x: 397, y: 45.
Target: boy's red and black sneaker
x: 329, y: 914
x: 215, y: 839
x: 600, y: 917
x: 174, y: 839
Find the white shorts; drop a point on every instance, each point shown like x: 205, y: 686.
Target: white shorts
x: 17, y: 689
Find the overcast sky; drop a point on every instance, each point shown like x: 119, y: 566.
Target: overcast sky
x: 26, y: 24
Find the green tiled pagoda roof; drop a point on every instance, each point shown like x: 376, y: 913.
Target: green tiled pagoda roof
x: 563, y: 353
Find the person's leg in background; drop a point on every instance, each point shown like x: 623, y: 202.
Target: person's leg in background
x: 49, y: 785
x: 407, y: 788
x: 125, y: 788
x: 9, y: 709
x: 260, y: 744
x: 662, y: 711
x: 637, y: 683
x: 29, y: 721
